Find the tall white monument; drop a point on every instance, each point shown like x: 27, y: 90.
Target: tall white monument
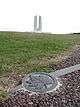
x: 37, y: 23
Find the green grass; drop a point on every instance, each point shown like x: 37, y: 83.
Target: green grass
x: 28, y: 52
x: 3, y: 95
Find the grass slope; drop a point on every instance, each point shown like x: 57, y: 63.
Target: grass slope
x: 27, y: 52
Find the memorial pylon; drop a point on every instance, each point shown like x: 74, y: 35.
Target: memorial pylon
x: 37, y: 23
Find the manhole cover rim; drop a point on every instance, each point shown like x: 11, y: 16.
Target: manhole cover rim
x: 53, y: 79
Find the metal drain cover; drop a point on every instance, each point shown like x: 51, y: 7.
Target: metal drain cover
x: 39, y: 82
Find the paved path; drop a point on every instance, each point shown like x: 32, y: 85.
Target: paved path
x: 66, y: 70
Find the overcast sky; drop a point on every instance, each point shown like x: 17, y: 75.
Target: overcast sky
x: 58, y: 16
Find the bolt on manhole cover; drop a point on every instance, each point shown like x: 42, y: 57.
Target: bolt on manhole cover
x: 39, y: 82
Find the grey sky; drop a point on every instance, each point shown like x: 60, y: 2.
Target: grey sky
x: 58, y: 16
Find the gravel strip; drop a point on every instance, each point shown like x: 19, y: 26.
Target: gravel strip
x: 68, y: 95
x: 71, y: 60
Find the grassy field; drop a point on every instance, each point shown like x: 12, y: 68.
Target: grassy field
x: 28, y: 52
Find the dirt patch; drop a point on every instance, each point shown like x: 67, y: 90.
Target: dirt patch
x: 7, y: 83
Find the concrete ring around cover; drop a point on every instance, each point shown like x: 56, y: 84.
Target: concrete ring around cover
x: 39, y: 82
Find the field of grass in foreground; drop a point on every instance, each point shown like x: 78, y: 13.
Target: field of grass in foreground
x: 28, y: 52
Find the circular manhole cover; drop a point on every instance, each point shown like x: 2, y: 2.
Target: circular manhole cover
x: 39, y: 82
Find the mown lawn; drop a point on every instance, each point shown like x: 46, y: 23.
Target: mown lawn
x: 28, y: 52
